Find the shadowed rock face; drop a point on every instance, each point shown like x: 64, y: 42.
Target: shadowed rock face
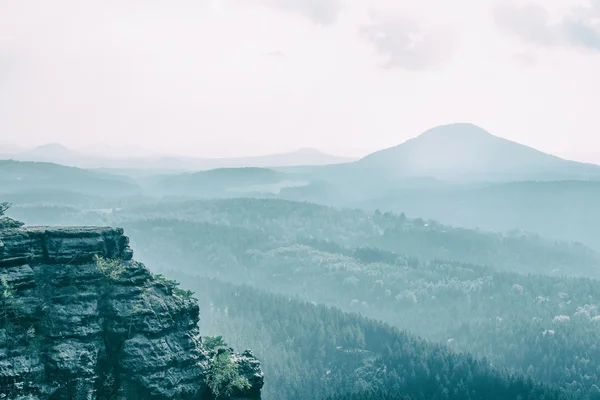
x: 69, y: 331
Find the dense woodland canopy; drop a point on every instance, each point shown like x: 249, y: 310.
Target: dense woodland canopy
x: 427, y: 240
x: 312, y: 351
x: 498, y: 304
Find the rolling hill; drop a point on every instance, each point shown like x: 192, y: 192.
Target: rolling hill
x: 226, y: 182
x: 23, y: 177
x: 563, y: 210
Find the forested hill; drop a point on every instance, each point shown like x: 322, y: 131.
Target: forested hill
x: 426, y: 240
x: 546, y: 327
x: 21, y: 177
x: 565, y: 210
x: 312, y: 352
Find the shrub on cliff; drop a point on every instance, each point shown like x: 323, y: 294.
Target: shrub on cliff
x: 213, y: 342
x: 173, y: 286
x: 224, y: 379
x: 112, y: 269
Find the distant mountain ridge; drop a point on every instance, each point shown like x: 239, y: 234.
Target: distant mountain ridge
x: 459, y: 151
x: 131, y: 157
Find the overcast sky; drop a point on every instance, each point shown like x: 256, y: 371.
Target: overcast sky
x: 247, y: 77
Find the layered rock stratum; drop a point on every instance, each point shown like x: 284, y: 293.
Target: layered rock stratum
x: 80, y: 319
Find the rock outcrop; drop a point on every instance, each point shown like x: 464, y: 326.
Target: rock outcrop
x: 79, y: 319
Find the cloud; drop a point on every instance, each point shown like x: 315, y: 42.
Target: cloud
x: 531, y: 23
x: 407, y: 45
x: 583, y: 27
x: 321, y: 12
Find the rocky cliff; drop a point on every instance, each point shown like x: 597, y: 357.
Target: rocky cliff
x: 79, y: 319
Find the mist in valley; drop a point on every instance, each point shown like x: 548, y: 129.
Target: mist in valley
x: 366, y: 195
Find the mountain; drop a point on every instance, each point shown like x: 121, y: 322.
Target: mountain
x: 101, y: 150
x: 51, y: 152
x: 23, y: 176
x: 7, y: 149
x: 302, y: 157
x: 445, y: 158
x: 464, y: 151
x: 305, y: 156
x: 82, y: 320
x: 132, y: 157
x: 589, y: 156
x: 226, y: 182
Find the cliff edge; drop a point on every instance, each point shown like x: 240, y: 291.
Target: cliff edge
x: 80, y: 319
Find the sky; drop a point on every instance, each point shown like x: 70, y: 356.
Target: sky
x: 223, y: 78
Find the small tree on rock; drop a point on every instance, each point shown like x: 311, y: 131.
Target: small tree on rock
x: 6, y: 222
x: 224, y: 378
x: 3, y: 207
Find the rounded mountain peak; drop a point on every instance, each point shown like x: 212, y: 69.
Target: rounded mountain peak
x: 462, y: 150
x: 457, y: 131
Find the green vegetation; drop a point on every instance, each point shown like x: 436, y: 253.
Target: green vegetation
x: 173, y: 285
x: 163, y: 279
x: 3, y: 207
x: 331, y: 257
x: 213, y: 342
x: 561, y: 210
x: 6, y: 295
x: 287, y: 222
x: 223, y: 378
x: 221, y: 182
x: 312, y: 352
x: 496, y: 314
x: 14, y: 328
x: 112, y: 269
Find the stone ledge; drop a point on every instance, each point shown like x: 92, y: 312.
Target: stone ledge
x: 63, y: 245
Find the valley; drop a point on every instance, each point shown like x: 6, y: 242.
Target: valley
x: 386, y: 276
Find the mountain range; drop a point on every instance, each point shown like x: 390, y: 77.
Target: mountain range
x: 455, y: 152
x: 133, y: 157
x: 458, y: 174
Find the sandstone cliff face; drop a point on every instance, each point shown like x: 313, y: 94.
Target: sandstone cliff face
x: 72, y: 330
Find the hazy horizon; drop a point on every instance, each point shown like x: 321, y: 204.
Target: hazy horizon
x: 227, y: 78
x: 136, y: 151
x: 133, y: 150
